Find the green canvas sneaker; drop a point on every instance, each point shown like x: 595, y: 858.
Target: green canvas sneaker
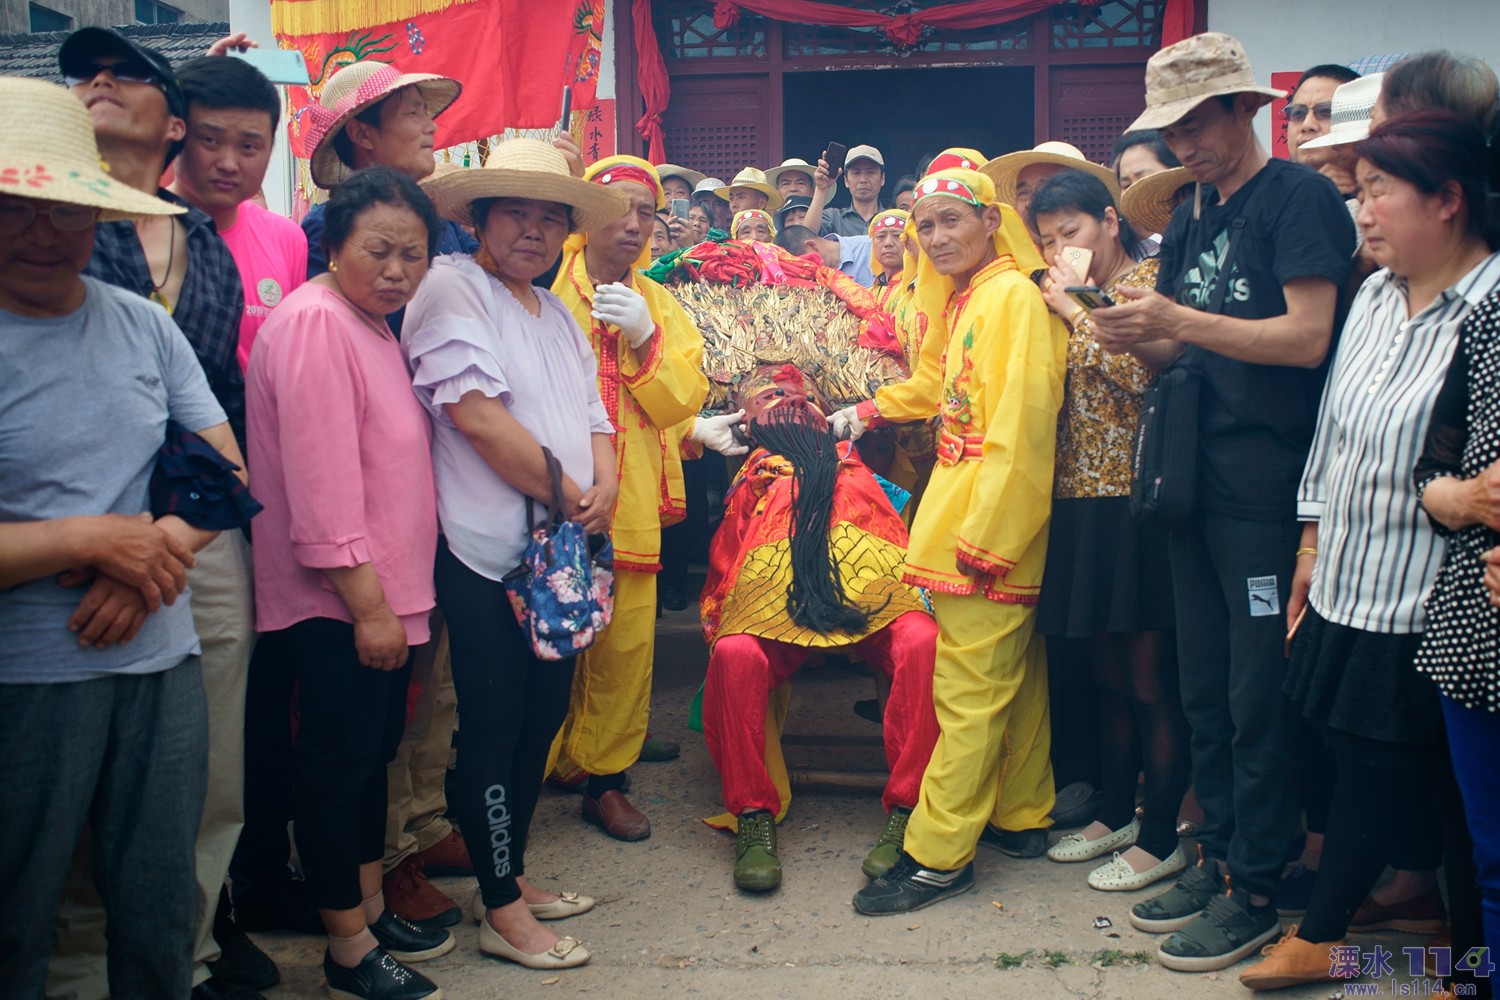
x: 888, y: 848
x: 1175, y: 908
x: 756, y: 866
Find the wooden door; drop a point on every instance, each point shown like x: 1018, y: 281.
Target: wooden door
x: 1092, y: 105
x: 719, y: 124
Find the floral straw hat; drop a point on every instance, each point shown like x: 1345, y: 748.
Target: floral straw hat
x: 1180, y: 77
x: 350, y: 91
x: 49, y: 153
x: 527, y: 168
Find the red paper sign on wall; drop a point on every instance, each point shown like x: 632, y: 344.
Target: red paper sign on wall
x: 1281, y: 81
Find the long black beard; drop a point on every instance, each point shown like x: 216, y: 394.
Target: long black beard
x: 815, y: 599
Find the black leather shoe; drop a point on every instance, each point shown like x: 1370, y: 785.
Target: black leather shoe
x: 215, y: 988
x: 407, y: 942
x: 378, y: 977
x: 1016, y: 843
x: 673, y: 599
x: 239, y: 961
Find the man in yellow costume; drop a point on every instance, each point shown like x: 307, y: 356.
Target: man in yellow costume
x: 980, y: 538
x: 650, y: 359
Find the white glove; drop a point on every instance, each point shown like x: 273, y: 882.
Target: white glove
x: 845, y: 424
x: 624, y: 307
x: 717, y: 433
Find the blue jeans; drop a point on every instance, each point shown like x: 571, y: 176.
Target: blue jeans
x: 1474, y: 740
x: 128, y: 757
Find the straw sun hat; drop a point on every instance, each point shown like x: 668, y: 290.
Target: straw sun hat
x: 1005, y: 170
x: 693, y: 177
x: 351, y: 90
x: 1148, y: 203
x: 1180, y: 77
x: 527, y: 168
x: 49, y: 153
x: 754, y: 180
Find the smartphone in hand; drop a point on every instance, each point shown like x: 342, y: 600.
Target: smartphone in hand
x: 680, y: 207
x: 834, y: 155
x: 1089, y: 297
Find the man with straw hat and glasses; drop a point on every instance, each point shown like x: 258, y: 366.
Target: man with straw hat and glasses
x: 1251, y: 271
x: 92, y: 729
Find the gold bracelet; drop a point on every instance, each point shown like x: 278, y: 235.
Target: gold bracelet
x: 1306, y: 551
x: 1073, y: 319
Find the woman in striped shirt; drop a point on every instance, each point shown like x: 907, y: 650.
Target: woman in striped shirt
x: 1369, y: 555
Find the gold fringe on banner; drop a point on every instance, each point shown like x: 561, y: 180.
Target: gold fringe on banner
x: 332, y: 17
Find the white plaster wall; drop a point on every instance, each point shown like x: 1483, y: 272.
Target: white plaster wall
x: 254, y: 18
x: 1291, y: 35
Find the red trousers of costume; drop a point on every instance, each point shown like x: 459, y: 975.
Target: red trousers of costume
x: 744, y: 669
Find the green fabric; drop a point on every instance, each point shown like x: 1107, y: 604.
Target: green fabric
x: 695, y: 712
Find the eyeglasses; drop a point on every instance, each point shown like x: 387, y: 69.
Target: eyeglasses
x: 129, y: 71
x: 17, y: 216
x: 1297, y: 112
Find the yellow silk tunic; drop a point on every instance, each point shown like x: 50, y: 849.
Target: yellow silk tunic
x: 990, y: 496
x: 648, y: 402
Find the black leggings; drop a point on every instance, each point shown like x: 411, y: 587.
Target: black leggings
x: 511, y: 705
x: 1139, y: 707
x: 1396, y: 804
x: 350, y: 719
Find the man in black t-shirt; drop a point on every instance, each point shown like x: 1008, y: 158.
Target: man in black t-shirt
x: 1248, y: 295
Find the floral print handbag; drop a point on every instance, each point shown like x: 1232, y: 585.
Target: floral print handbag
x: 563, y: 593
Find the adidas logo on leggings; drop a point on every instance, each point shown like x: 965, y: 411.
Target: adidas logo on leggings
x: 499, y: 817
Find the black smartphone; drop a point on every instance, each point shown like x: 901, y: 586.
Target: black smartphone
x: 680, y: 207
x: 563, y: 125
x: 834, y: 157
x: 1090, y: 297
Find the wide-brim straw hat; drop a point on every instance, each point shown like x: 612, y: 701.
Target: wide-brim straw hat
x: 48, y: 148
x: 350, y: 91
x: 1148, y: 203
x: 754, y: 180
x: 693, y: 177
x: 1349, y: 121
x: 1005, y: 170
x: 527, y: 168
x: 1182, y: 76
x: 791, y: 165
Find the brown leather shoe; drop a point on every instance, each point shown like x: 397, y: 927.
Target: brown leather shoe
x: 613, y: 813
x: 408, y: 893
x: 1423, y: 915
x: 448, y: 856
x: 1290, y: 962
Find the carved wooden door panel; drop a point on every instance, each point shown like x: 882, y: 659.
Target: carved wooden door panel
x: 719, y: 124
x: 1092, y: 105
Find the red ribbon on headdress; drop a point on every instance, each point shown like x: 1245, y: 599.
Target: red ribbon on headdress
x: 627, y: 172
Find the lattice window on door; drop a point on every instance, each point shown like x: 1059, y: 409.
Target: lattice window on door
x: 1095, y: 135
x: 717, y: 150
x: 685, y: 30
x: 814, y: 40
x: 1114, y: 24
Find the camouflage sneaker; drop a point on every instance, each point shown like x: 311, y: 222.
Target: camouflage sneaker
x: 756, y: 866
x: 1175, y: 908
x: 888, y: 848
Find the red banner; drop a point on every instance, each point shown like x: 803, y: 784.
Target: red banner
x: 512, y: 56
x: 1286, y: 81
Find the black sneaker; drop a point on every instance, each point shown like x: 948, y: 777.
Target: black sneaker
x: 1176, y: 908
x: 1016, y: 843
x: 407, y: 942
x: 378, y: 977
x: 239, y: 961
x: 908, y: 886
x: 1227, y: 930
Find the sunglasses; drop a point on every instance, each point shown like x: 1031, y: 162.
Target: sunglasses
x: 129, y: 71
x: 1297, y: 112
x: 17, y: 216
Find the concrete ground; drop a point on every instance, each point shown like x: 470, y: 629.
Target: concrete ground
x: 670, y: 922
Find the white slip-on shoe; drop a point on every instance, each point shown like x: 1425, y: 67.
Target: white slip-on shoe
x: 568, y: 904
x: 1116, y: 875
x: 1073, y: 846
x: 568, y: 953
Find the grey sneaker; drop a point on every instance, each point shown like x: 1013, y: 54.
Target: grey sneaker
x: 1175, y: 908
x: 908, y: 886
x: 1227, y: 930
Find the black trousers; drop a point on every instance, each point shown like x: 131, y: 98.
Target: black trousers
x: 350, y: 719
x: 264, y: 851
x: 1230, y: 580
x: 512, y: 705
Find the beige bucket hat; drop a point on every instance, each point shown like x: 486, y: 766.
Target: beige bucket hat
x: 755, y: 180
x: 1004, y: 170
x: 791, y: 165
x: 693, y: 177
x: 350, y: 91
x: 1353, y: 104
x: 527, y: 168
x: 1180, y: 77
x: 1148, y: 203
x: 48, y: 152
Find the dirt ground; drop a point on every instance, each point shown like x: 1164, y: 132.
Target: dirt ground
x: 671, y: 923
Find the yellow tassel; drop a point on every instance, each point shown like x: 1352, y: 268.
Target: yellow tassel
x: 336, y: 17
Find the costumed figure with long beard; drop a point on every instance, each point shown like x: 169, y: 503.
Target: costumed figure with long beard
x: 809, y: 558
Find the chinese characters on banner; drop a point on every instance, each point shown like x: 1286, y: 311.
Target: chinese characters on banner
x: 1281, y: 81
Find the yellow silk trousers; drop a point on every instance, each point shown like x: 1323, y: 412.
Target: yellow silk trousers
x: 611, y: 702
x: 991, y: 762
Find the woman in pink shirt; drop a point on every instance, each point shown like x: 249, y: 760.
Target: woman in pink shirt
x: 344, y: 558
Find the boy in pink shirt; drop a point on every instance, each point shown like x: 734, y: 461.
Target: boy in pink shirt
x: 232, y: 115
